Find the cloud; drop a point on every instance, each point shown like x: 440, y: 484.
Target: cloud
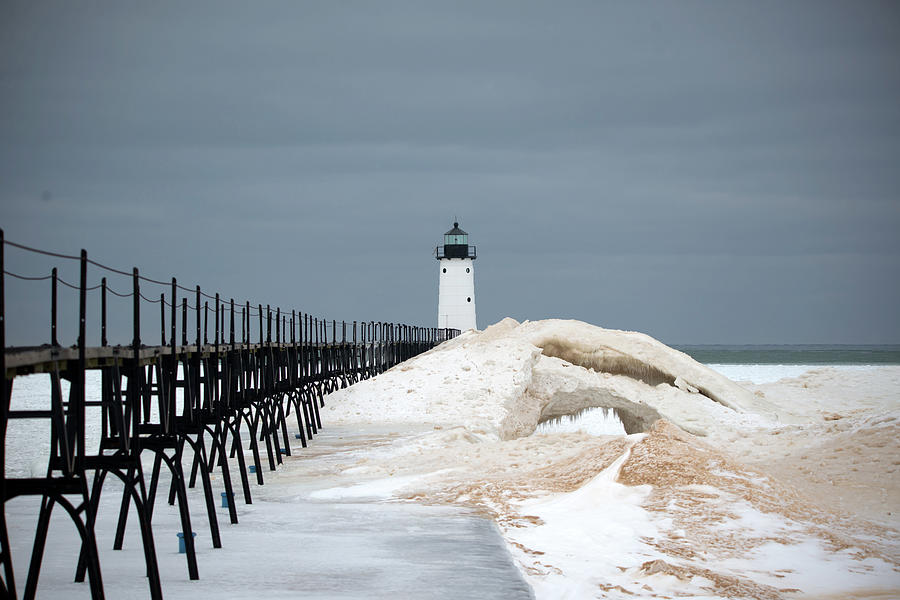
x: 228, y: 144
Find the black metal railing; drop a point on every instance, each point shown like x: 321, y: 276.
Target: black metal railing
x: 455, y: 252
x: 203, y: 395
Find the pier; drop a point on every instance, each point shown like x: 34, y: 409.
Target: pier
x: 222, y: 373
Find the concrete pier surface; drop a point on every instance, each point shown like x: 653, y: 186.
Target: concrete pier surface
x: 288, y: 544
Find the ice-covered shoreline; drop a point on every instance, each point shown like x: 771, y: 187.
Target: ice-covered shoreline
x: 695, y: 501
x: 773, y: 489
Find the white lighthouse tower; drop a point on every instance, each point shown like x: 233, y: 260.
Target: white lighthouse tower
x: 456, y: 295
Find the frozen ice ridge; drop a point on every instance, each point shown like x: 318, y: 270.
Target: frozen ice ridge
x: 710, y: 489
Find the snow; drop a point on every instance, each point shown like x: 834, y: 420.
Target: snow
x: 716, y: 516
x: 588, y: 552
x: 783, y: 486
x: 423, y: 390
x: 499, y: 384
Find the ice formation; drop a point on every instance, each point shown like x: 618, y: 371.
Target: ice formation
x: 697, y: 499
x: 505, y: 380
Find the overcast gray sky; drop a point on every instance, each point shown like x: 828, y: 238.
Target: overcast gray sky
x: 712, y: 172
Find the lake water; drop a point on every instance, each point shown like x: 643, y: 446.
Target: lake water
x: 798, y: 354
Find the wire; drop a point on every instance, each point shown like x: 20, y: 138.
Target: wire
x: 23, y: 277
x: 115, y: 293
x: 242, y: 309
x: 142, y: 277
x: 76, y: 287
x: 146, y: 299
x: 45, y: 252
x: 149, y: 279
x: 96, y: 264
x: 254, y: 312
x: 67, y: 284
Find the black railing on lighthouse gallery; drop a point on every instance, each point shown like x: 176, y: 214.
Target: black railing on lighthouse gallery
x: 204, y: 394
x: 458, y: 251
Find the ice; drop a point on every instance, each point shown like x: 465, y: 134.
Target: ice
x: 782, y: 488
x: 593, y: 421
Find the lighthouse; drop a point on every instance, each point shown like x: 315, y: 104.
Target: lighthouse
x: 456, y: 293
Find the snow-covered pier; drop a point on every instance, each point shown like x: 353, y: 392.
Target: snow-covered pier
x: 205, y: 395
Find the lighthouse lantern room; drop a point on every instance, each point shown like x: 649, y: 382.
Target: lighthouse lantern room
x: 456, y: 292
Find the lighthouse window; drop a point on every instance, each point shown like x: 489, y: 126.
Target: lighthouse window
x: 456, y: 240
x: 445, y: 270
x: 468, y: 299
x: 467, y: 269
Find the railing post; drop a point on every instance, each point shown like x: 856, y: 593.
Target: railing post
x: 248, y: 340
x: 184, y: 310
x: 4, y: 407
x: 244, y: 314
x: 231, y: 327
x: 173, y: 383
x: 302, y: 334
x: 219, y: 323
x: 136, y: 312
x: 134, y: 388
x: 162, y: 318
x: 197, y: 309
x: 301, y: 349
x: 53, y: 293
x: 82, y: 348
x: 4, y: 416
x: 103, y: 340
x: 174, y: 313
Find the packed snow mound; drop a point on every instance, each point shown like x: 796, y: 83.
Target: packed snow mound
x: 478, y: 378
x: 503, y: 381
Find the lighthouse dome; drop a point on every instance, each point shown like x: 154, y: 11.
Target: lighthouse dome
x: 456, y: 237
x: 456, y: 245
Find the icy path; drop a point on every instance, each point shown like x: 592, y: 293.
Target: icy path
x: 290, y: 545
